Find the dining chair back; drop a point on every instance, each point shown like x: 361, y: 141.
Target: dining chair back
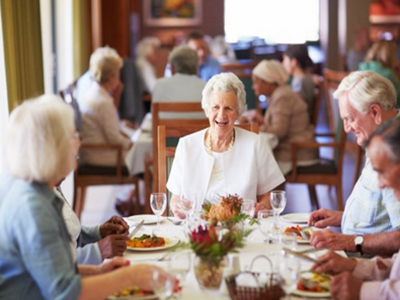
x: 166, y: 152
x: 87, y: 175
x: 332, y: 80
x: 318, y: 88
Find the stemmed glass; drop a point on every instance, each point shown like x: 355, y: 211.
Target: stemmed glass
x: 188, y: 203
x: 289, y: 273
x: 162, y: 290
x: 266, y: 224
x: 278, y: 201
x: 158, y: 203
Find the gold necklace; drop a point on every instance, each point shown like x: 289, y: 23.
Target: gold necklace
x: 209, y: 142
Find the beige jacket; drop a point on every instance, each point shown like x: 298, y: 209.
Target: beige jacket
x: 287, y: 118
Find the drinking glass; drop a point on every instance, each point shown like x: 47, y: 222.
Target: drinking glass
x: 158, y: 203
x: 188, y: 203
x: 248, y: 207
x: 278, y: 201
x: 289, y: 273
x: 266, y: 224
x: 179, y: 265
x: 162, y: 290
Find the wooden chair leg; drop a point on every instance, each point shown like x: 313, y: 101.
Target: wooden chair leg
x: 79, y: 202
x: 313, y: 197
x: 339, y: 193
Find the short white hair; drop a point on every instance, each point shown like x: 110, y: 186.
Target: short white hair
x: 39, y: 146
x: 147, y: 46
x: 104, y: 63
x: 225, y: 82
x: 365, y: 88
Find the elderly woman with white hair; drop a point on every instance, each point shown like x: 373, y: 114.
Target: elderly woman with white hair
x: 286, y: 115
x: 146, y: 60
x: 38, y: 259
x: 223, y: 157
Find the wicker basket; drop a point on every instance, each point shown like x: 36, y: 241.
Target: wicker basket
x: 272, y: 290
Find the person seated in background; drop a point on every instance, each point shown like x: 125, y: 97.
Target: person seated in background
x: 286, y: 115
x: 224, y: 156
x: 85, y: 81
x: 356, y: 54
x: 93, y: 244
x: 208, y: 65
x: 38, y: 258
x: 222, y: 51
x: 371, y: 217
x: 376, y: 278
x: 382, y: 58
x: 146, y: 60
x: 297, y: 63
x: 184, y: 85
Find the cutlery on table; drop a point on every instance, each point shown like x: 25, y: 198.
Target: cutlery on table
x: 175, y: 222
x: 131, y: 235
x: 302, y: 256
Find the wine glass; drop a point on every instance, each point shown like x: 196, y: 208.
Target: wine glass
x: 188, y: 203
x: 179, y: 265
x: 278, y: 201
x: 162, y: 290
x: 266, y: 219
x: 289, y: 273
x: 158, y: 203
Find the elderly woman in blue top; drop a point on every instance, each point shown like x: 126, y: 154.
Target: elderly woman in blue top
x: 223, y: 158
x: 37, y: 253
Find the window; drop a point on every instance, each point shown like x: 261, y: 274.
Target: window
x: 277, y: 22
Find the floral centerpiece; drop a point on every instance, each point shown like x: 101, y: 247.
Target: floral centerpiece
x: 211, y: 249
x: 227, y: 211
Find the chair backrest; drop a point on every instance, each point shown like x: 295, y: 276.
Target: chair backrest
x: 176, y: 131
x: 172, y: 107
x: 68, y: 95
x: 332, y: 80
x: 318, y: 87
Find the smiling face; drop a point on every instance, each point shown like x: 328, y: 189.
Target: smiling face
x: 222, y: 112
x: 354, y: 121
x: 388, y: 172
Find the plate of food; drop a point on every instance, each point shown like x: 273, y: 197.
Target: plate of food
x: 303, y: 234
x: 133, y: 293
x: 296, y: 217
x: 148, y: 219
x: 313, y: 284
x: 153, y: 242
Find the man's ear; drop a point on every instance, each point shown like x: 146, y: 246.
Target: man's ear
x: 376, y: 111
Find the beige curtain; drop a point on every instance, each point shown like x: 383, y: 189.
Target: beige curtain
x: 22, y: 49
x: 81, y: 37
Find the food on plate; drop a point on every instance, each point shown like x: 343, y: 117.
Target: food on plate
x: 133, y: 291
x: 297, y: 229
x: 146, y: 241
x: 224, y: 210
x: 317, y: 282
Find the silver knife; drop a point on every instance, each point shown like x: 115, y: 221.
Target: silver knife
x: 302, y: 256
x: 132, y: 234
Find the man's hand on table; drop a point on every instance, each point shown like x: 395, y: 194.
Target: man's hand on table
x: 115, y: 225
x: 345, y: 286
x: 113, y: 245
x: 333, y: 263
x: 113, y: 264
x: 323, y: 218
x: 327, y: 238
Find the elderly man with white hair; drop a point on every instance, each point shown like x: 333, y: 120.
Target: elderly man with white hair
x: 370, y: 222
x: 286, y: 116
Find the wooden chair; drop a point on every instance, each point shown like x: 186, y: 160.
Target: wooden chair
x: 175, y: 130
x: 151, y: 167
x: 319, y: 85
x: 328, y: 171
x: 91, y: 175
x: 332, y: 80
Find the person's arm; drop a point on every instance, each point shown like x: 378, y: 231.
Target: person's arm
x: 280, y: 118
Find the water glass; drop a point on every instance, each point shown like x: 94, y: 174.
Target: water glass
x: 289, y: 273
x: 158, y: 203
x: 179, y: 265
x: 162, y: 290
x: 266, y: 224
x: 188, y: 203
x: 278, y: 201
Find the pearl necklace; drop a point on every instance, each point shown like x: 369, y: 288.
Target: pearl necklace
x: 209, y: 142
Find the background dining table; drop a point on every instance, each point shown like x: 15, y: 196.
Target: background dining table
x: 254, y: 246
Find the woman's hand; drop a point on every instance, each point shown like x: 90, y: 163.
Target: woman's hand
x: 175, y: 207
x: 112, y: 264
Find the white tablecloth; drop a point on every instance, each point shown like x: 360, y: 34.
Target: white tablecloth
x: 191, y: 290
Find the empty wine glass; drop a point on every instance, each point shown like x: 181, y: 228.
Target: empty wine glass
x: 266, y: 219
x: 158, y: 203
x: 162, y: 290
x: 179, y: 265
x: 278, y: 201
x: 289, y: 273
x: 188, y: 203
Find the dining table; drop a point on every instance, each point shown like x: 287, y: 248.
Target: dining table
x: 255, y: 245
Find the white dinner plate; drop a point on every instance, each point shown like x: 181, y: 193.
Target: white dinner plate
x: 169, y: 243
x: 148, y: 219
x: 133, y: 297
x: 296, y: 217
x: 311, y: 294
